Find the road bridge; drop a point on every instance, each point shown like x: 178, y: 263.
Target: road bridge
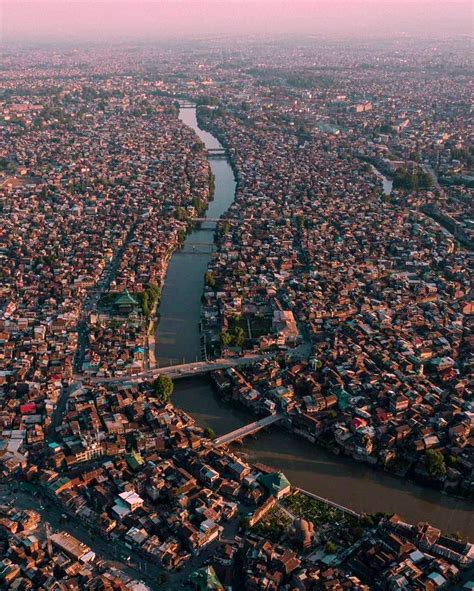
x: 183, y: 370
x: 199, y: 249
x: 214, y: 220
x: 247, y: 430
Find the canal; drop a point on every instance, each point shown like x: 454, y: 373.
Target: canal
x: 343, y: 480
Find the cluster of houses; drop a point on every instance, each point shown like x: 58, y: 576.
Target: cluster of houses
x: 373, y: 417
x: 109, y: 173
x: 145, y: 476
x: 34, y: 558
x: 369, y: 289
x: 389, y: 555
x: 312, y: 249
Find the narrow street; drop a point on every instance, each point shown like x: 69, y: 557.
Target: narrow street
x: 94, y: 296
x: 111, y: 553
x: 60, y: 409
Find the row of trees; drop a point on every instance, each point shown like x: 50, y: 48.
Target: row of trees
x: 149, y: 299
x: 233, y: 337
x: 210, y: 279
x: 435, y: 463
x: 410, y: 181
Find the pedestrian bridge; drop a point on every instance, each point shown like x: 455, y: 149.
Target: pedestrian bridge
x: 247, y: 430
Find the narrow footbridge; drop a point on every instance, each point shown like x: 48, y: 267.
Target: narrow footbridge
x: 247, y: 430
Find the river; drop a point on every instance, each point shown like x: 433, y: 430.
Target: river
x: 345, y: 481
x: 178, y: 336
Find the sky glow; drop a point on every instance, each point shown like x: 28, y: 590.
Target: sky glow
x: 163, y: 19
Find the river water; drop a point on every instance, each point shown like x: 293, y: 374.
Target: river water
x: 178, y: 335
x: 387, y: 184
x: 343, y: 480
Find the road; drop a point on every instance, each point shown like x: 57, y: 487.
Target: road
x: 94, y: 296
x: 60, y: 408
x: 184, y: 370
x: 113, y: 553
x: 429, y: 170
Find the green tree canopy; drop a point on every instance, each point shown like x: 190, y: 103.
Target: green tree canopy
x: 330, y: 547
x: 163, y: 387
x: 209, y: 433
x: 226, y: 338
x: 211, y: 279
x: 239, y: 336
x: 435, y: 464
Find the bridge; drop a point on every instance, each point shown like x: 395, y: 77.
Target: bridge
x: 199, y: 248
x: 247, y: 430
x: 213, y: 220
x: 183, y: 370
x: 216, y: 153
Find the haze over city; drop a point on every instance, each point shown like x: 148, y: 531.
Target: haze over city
x: 236, y: 307
x: 101, y: 20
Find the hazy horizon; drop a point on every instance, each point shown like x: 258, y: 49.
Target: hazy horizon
x: 104, y: 20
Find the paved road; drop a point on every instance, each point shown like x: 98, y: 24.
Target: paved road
x: 94, y: 296
x: 113, y: 553
x: 183, y: 370
x: 60, y: 408
x: 429, y: 170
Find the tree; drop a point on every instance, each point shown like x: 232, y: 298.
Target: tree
x: 435, y: 464
x: 299, y: 222
x: 209, y: 433
x: 409, y: 181
x: 330, y: 547
x: 239, y: 336
x: 226, y: 338
x: 460, y: 537
x: 211, y: 279
x: 145, y: 305
x: 150, y: 296
x: 163, y: 387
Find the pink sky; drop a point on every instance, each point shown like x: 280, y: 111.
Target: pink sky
x: 158, y: 19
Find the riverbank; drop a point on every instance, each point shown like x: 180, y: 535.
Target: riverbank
x: 179, y: 337
x: 344, y: 481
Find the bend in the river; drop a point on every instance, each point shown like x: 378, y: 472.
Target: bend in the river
x: 345, y: 481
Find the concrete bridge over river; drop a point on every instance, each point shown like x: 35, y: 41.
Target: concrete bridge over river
x: 216, y: 153
x: 183, y: 370
x: 247, y: 430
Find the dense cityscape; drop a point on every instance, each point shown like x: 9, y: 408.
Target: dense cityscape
x: 334, y: 300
